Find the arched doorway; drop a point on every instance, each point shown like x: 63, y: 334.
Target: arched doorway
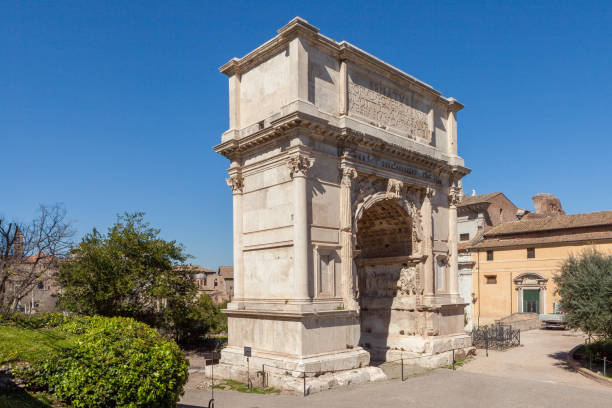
x: 531, y: 292
x: 384, y: 243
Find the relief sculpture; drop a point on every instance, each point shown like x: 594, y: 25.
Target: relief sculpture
x: 387, y: 107
x: 407, y: 283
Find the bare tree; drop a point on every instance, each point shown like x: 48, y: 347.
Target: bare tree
x: 31, y: 253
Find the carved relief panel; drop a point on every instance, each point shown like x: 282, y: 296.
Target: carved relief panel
x: 387, y: 106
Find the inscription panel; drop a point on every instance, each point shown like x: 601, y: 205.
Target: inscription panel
x: 383, y: 105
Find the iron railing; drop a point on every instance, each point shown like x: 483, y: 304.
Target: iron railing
x: 498, y: 336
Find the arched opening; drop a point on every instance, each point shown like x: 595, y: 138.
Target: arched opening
x: 384, y: 243
x: 384, y: 229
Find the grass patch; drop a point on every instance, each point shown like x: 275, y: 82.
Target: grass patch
x: 459, y: 363
x: 31, y: 345
x: 242, y: 387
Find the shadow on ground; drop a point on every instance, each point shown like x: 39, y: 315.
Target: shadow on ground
x: 21, y: 399
x: 561, y: 357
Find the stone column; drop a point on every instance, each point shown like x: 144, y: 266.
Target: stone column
x: 428, y: 267
x: 453, y: 200
x: 346, y: 237
x: 236, y: 182
x: 299, y: 166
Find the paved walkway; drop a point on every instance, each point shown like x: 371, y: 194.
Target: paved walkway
x: 534, y: 375
x: 542, y: 357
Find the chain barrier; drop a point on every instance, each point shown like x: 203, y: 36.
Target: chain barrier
x: 303, y: 374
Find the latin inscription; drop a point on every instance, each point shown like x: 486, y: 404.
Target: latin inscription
x: 389, y: 164
x: 386, y: 107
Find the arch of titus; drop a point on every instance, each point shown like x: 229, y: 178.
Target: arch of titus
x: 345, y: 179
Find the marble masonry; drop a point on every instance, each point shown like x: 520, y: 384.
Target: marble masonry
x: 346, y: 181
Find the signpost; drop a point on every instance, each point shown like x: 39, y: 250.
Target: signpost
x: 247, y: 354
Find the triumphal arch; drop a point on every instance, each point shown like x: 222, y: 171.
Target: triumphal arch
x: 345, y: 180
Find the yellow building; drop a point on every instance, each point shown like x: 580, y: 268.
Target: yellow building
x: 514, y: 262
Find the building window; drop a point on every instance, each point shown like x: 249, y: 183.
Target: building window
x: 530, y: 252
x: 216, y: 282
x: 489, y: 255
x: 41, y: 285
x: 491, y: 279
x: 464, y: 237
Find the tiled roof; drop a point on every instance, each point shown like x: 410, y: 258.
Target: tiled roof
x: 552, y: 223
x: 477, y: 199
x: 560, y: 229
x: 226, y: 271
x: 196, y: 268
x: 524, y: 241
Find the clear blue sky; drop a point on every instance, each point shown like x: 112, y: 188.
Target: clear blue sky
x: 115, y: 106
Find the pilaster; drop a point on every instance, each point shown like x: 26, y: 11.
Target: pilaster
x: 343, y: 89
x: 234, y: 101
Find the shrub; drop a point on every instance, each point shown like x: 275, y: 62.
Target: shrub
x: 117, y: 362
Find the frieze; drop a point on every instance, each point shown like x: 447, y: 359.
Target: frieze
x: 387, y: 107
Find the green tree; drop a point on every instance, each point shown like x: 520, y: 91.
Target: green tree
x: 585, y: 286
x: 201, y: 317
x: 129, y: 271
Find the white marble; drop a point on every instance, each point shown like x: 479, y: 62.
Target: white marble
x: 345, y: 176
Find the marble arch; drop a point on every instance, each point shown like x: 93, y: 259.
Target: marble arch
x: 321, y: 132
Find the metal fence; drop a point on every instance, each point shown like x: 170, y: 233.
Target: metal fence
x: 498, y: 336
x: 597, y: 363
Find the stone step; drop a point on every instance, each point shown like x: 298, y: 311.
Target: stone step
x: 393, y: 370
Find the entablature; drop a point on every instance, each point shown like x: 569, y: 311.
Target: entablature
x: 365, y: 149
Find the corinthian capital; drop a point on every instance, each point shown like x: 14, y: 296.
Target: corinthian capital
x: 429, y: 192
x: 454, y: 196
x: 299, y: 165
x: 348, y: 174
x: 236, y: 182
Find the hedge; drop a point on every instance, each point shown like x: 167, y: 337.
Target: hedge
x: 116, y: 362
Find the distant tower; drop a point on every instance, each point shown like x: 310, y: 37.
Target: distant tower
x: 18, y: 243
x: 547, y: 205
